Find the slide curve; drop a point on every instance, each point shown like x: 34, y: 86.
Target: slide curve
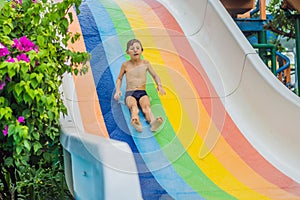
x: 230, y: 127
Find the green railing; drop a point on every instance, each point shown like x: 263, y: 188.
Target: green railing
x: 273, y: 55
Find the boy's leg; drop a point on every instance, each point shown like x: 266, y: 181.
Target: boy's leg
x: 145, y: 105
x: 134, y: 111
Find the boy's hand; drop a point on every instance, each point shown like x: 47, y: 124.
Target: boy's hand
x: 161, y: 90
x: 117, y: 95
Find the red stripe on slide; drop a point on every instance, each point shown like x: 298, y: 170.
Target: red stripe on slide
x: 229, y: 130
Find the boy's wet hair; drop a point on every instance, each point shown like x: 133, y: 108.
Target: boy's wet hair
x: 131, y: 42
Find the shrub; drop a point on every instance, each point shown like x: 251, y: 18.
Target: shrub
x: 33, y: 60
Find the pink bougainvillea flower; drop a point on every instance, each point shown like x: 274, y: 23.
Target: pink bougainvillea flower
x: 2, y: 85
x: 7, y: 78
x: 3, y: 50
x: 17, y: 44
x: 16, y: 2
x: 24, y: 57
x: 27, y: 44
x: 21, y: 119
x: 20, y: 2
x: 5, y: 130
x: 24, y: 44
x: 10, y: 59
x: 36, y: 49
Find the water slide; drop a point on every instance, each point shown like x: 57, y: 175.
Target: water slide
x: 230, y: 127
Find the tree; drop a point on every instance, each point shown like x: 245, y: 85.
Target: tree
x: 282, y: 22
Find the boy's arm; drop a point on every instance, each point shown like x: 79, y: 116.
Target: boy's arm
x: 118, y: 92
x: 157, y: 80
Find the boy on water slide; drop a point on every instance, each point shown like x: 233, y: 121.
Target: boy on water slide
x: 136, y: 96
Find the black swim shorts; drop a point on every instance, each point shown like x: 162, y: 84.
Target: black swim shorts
x: 137, y: 94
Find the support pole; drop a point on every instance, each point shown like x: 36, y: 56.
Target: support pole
x: 262, y: 8
x: 273, y: 54
x: 297, y: 33
x: 262, y: 39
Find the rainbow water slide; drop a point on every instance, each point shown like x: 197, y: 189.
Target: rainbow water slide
x: 230, y: 127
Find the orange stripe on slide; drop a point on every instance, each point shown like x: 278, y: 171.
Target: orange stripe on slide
x: 88, y: 101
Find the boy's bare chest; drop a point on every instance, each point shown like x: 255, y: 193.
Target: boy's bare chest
x: 136, y: 71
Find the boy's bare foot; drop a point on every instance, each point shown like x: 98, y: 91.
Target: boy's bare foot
x: 156, y: 123
x: 137, y: 125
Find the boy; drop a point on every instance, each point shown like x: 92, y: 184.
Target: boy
x: 136, y: 70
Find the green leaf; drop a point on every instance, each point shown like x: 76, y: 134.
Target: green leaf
x: 24, y: 67
x: 5, y: 112
x: 70, y: 17
x: 27, y: 145
x: 64, y: 25
x: 26, y: 113
x: 19, y: 149
x: 41, y: 41
x: 18, y: 89
x: 34, y: 83
x: 36, y: 19
x: 24, y: 130
x: 50, y: 115
x: 29, y: 91
x: 1, y: 4
x: 3, y: 66
x: 27, y: 98
x: 76, y: 71
x: 39, y: 77
x: 36, y: 146
x: 11, y: 130
x: 12, y: 69
x: 42, y: 53
x: 6, y: 29
x: 36, y: 135
x: 9, y: 162
x: 2, y: 100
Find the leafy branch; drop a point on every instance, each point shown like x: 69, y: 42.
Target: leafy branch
x: 33, y: 60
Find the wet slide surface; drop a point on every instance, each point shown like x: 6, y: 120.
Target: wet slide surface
x: 169, y: 161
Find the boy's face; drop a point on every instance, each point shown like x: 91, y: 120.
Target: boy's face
x: 135, y: 51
